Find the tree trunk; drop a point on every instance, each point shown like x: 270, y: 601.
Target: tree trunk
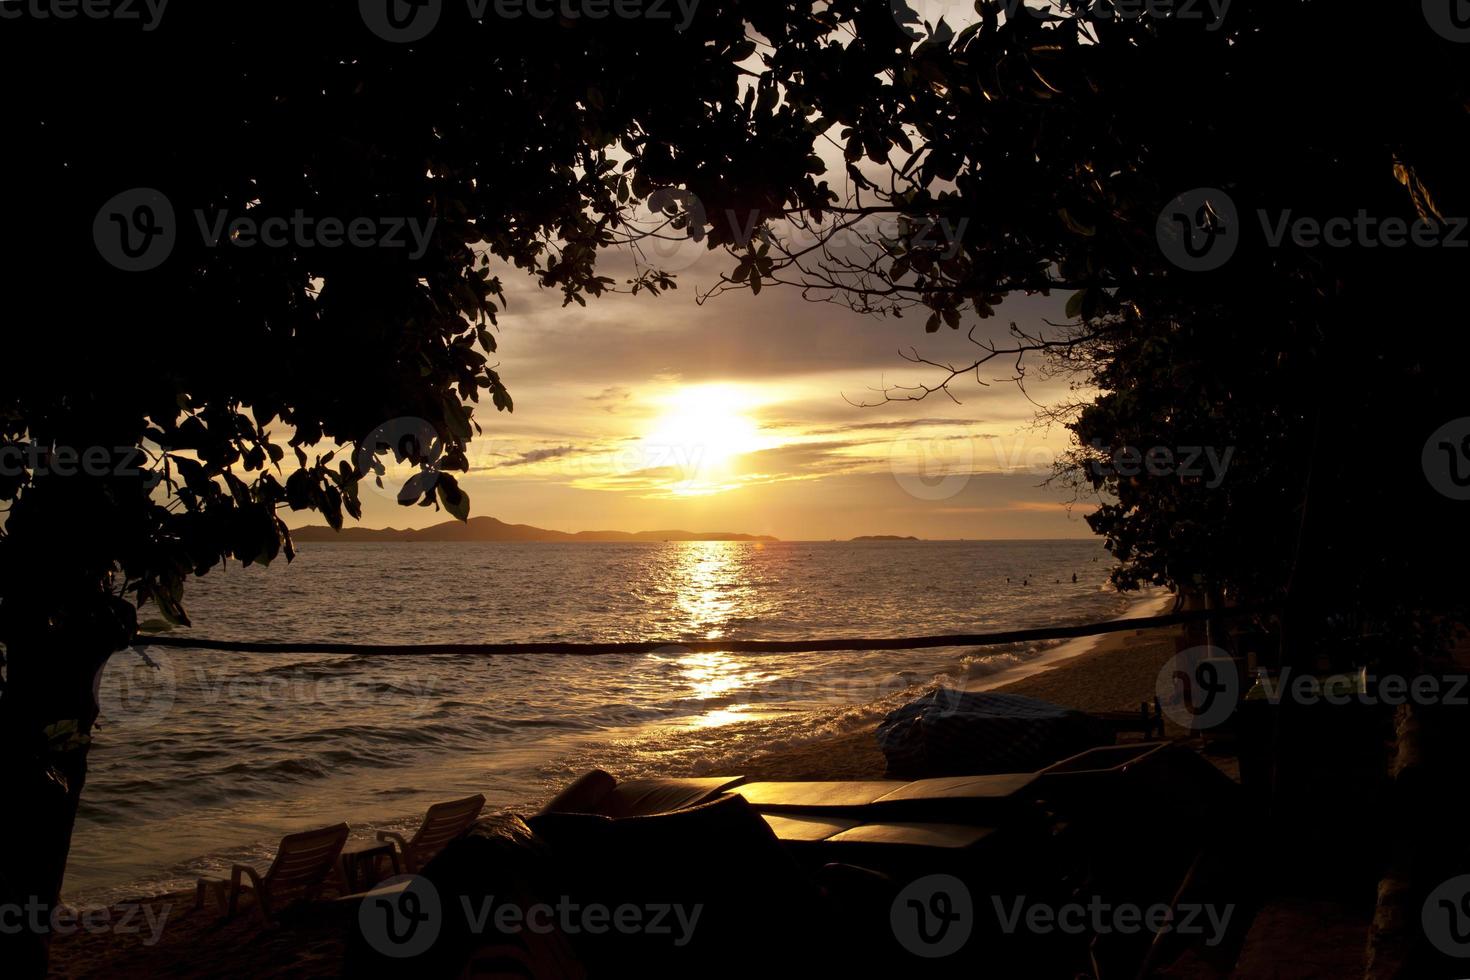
x: 47, y: 711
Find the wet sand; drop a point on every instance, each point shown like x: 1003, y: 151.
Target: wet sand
x: 1116, y: 673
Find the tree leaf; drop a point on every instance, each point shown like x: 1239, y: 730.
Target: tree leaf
x: 452, y: 498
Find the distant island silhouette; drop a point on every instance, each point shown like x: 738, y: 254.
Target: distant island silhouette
x: 491, y: 529
x: 886, y: 537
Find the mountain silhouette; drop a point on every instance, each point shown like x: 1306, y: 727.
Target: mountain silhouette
x: 490, y: 529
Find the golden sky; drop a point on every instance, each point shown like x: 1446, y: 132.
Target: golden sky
x: 649, y: 413
x: 644, y: 413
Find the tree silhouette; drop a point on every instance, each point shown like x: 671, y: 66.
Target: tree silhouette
x: 172, y: 287
x: 1155, y: 170
x: 175, y: 289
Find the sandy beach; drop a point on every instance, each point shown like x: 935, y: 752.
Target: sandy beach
x: 1113, y: 673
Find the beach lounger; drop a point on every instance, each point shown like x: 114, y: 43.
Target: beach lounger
x: 1100, y: 764
x: 780, y: 796
x: 302, y: 865
x: 442, y: 823
x: 599, y: 793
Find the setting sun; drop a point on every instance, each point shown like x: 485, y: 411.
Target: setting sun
x: 700, y: 432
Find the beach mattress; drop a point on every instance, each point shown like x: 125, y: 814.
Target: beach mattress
x: 644, y: 797
x: 804, y: 829
x: 948, y: 732
x: 598, y: 793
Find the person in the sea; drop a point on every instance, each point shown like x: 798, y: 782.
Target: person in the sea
x: 1074, y: 578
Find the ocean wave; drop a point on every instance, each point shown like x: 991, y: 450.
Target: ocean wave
x: 319, y: 737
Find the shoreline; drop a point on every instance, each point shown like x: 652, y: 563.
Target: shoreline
x: 1110, y: 672
x: 1151, y: 605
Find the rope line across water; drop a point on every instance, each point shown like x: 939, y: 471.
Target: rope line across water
x: 729, y: 646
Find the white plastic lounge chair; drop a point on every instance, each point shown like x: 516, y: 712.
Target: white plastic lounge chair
x: 442, y: 823
x: 303, y: 863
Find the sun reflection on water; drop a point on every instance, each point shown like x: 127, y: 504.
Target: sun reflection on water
x: 709, y: 584
x: 711, y: 675
x: 712, y: 587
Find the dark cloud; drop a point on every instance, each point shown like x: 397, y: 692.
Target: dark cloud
x: 732, y: 337
x: 537, y: 455
x: 884, y: 424
x: 801, y: 459
x: 612, y: 397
